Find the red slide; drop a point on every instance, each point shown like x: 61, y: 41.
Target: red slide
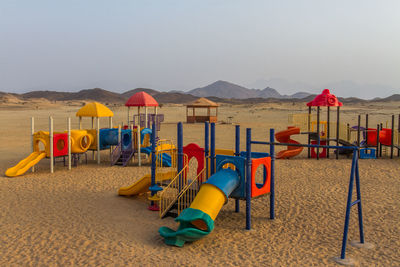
x: 284, y: 137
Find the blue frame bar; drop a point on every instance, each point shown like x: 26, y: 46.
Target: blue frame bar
x: 302, y: 145
x: 272, y: 193
x: 153, y: 163
x: 180, y: 152
x: 248, y: 178
x: 212, y: 161
x: 237, y: 154
x: 354, y: 176
x: 206, y: 145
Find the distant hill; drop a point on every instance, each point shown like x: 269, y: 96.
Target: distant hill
x: 395, y: 97
x: 130, y: 93
x: 96, y: 94
x: 223, y: 89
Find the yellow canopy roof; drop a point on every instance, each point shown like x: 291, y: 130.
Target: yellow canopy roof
x: 94, y: 109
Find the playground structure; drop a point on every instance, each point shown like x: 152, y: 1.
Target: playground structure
x: 196, y: 200
x: 73, y: 143
x: 371, y: 141
x: 142, y: 99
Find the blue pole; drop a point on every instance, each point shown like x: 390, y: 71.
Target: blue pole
x: 237, y: 154
x: 212, y: 148
x: 272, y: 194
x: 248, y: 179
x: 180, y: 152
x: 153, y: 157
x: 360, y: 217
x: 153, y: 164
x: 348, y: 206
x: 206, y: 145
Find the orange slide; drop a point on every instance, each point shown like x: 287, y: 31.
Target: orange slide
x: 284, y: 137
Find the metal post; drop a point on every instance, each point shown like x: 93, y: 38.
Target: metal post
x: 206, y: 145
x: 80, y: 123
x: 359, y: 208
x: 366, y: 130
x: 358, y: 133
x: 212, y: 148
x: 248, y: 178
x: 98, y: 140
x: 180, y: 153
x: 272, y: 188
x: 132, y: 141
x: 145, y: 119
x: 51, y: 140
x: 377, y: 141
x: 309, y: 130
x: 318, y: 137
x: 337, y: 131
x: 69, y: 143
x: 380, y: 145
x: 119, y: 134
x: 398, y: 137
x: 237, y: 154
x: 348, y: 206
x: 128, y: 117
x: 328, y: 135
x: 139, y: 143
x: 153, y: 159
x: 392, y: 139
x: 32, y: 135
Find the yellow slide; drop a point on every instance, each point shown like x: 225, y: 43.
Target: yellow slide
x: 25, y: 164
x: 142, y: 185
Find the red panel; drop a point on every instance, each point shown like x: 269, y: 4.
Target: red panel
x: 385, y: 137
x: 322, y: 154
x: 60, y: 145
x: 193, y: 150
x: 255, y: 163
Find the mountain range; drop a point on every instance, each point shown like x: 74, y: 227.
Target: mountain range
x: 225, y: 89
x: 219, y: 91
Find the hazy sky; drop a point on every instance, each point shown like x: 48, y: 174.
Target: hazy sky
x: 181, y: 45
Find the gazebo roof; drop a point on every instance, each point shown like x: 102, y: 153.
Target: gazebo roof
x: 94, y: 109
x: 325, y: 99
x: 141, y: 99
x: 202, y: 102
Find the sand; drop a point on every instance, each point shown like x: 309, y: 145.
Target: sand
x: 76, y: 218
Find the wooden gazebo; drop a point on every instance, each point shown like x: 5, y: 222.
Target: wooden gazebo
x: 202, y: 110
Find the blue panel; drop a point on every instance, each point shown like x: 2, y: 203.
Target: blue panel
x: 367, y: 153
x: 109, y: 137
x: 239, y: 162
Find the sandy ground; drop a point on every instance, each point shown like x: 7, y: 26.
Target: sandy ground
x: 76, y: 218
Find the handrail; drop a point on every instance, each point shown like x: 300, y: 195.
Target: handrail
x: 116, y: 152
x: 170, y: 193
x: 188, y: 194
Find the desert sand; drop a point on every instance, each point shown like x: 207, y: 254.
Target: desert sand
x: 76, y: 217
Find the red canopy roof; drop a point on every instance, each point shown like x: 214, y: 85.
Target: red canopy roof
x: 141, y: 99
x: 325, y: 99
